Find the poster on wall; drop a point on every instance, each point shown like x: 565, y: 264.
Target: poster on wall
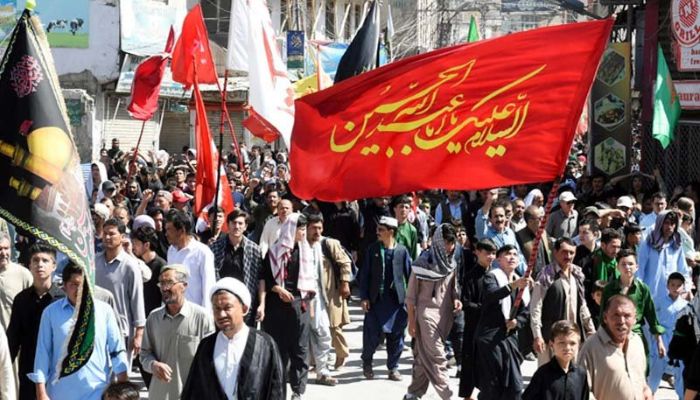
x: 145, y: 24
x: 610, y: 139
x: 66, y: 22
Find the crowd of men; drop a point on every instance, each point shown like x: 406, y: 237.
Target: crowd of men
x: 243, y: 305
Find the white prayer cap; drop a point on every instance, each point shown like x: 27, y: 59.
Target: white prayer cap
x: 233, y: 286
x: 143, y: 220
x: 179, y: 268
x: 389, y: 222
x: 102, y: 211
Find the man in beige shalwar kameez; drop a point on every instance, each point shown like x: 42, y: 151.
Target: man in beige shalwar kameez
x: 432, y: 300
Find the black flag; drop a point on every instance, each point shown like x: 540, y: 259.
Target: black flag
x: 40, y: 177
x: 361, y: 55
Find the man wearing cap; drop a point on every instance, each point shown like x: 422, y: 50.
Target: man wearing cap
x: 563, y: 222
x: 181, y: 201
x: 173, y: 332
x: 238, y: 362
x: 382, y: 281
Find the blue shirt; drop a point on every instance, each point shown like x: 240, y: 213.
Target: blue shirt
x: 655, y: 267
x: 88, y: 382
x: 484, y: 230
x: 455, y: 211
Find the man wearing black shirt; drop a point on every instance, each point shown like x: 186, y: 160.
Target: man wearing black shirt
x: 238, y: 257
x: 144, y: 242
x: 23, y: 330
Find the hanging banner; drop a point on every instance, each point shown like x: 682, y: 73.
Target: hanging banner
x: 610, y: 139
x: 295, y: 49
x: 145, y: 24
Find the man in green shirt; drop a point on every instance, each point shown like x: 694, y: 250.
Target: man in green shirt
x: 604, y: 259
x: 406, y: 234
x: 627, y: 284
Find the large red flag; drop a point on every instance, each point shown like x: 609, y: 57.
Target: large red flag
x: 192, y: 51
x: 207, y: 162
x: 148, y: 76
x: 485, y: 114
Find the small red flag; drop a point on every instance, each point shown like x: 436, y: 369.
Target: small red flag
x: 207, y: 162
x: 486, y: 114
x: 192, y: 52
x: 145, y: 88
x: 260, y: 127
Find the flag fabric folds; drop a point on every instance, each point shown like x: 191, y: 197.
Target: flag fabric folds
x: 492, y: 113
x: 270, y: 96
x: 361, y: 55
x: 145, y: 88
x: 667, y: 107
x: 192, y: 52
x: 473, y: 34
x: 207, y: 164
x: 238, y: 30
x: 41, y: 182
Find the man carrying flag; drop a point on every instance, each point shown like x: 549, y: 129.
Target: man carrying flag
x: 43, y: 194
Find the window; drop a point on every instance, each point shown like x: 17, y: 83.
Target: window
x: 217, y: 14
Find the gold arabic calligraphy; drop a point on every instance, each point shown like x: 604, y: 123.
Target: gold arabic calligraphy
x: 434, y: 126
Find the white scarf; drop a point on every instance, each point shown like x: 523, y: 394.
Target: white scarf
x: 502, y: 280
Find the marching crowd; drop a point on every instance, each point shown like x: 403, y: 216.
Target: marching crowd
x: 238, y: 305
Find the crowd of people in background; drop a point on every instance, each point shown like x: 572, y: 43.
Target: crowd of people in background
x: 244, y: 305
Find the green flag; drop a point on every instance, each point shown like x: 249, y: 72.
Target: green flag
x: 473, y: 34
x: 667, y: 107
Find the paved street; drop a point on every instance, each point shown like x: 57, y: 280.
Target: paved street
x: 353, y: 386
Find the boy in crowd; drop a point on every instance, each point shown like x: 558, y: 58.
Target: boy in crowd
x: 668, y: 309
x: 597, y: 298
x: 560, y: 378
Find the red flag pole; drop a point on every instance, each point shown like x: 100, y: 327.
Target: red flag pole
x: 136, y: 154
x: 212, y: 224
x: 225, y: 113
x: 536, y: 243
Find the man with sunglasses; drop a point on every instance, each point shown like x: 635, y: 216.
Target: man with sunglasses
x: 173, y: 332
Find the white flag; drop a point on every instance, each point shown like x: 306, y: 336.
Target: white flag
x: 238, y: 32
x: 271, y: 96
